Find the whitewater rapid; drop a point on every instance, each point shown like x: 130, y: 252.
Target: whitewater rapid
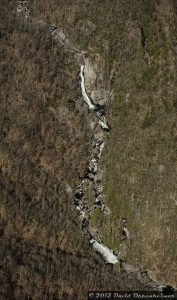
x: 84, y: 94
x: 99, y: 247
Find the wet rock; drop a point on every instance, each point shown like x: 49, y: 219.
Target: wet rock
x: 100, y: 96
x: 124, y: 221
x: 100, y: 111
x: 85, y: 223
x: 78, y: 208
x: 104, y: 125
x: 116, y: 252
x: 93, y: 166
x: 99, y: 133
x: 95, y: 153
x: 126, y: 233
x: 98, y: 189
x: 52, y: 28
x: 98, y: 201
x: 99, y: 176
x: 106, y: 211
x: 90, y: 176
x: 101, y: 149
x: 79, y: 193
x: 90, y: 75
x: 97, y: 142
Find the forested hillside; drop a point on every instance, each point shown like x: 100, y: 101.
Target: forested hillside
x: 46, y: 130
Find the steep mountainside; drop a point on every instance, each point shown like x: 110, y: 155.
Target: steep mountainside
x: 140, y: 162
x: 46, y: 130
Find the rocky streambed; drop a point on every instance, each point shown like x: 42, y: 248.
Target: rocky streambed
x: 96, y: 148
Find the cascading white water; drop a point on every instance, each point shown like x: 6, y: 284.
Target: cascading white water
x: 105, y: 252
x: 84, y: 94
x: 93, y: 166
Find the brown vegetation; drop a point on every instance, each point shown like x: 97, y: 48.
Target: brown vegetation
x: 44, y: 142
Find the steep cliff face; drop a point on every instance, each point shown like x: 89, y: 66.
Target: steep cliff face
x: 45, y: 138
